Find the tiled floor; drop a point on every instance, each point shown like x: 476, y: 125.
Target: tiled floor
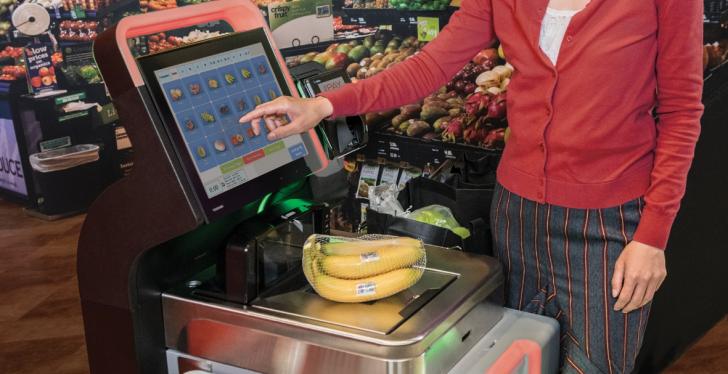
x: 41, y: 329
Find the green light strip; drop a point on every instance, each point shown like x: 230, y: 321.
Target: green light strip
x: 264, y: 202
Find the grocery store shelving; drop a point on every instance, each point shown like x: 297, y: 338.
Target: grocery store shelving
x: 417, y: 151
x: 69, y: 43
x: 59, y: 14
x: 390, y: 16
x: 318, y: 47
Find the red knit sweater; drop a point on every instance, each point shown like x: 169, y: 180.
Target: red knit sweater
x: 582, y: 132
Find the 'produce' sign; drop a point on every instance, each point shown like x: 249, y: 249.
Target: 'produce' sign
x: 41, y: 75
x: 12, y: 175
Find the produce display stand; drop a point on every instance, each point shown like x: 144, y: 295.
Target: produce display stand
x: 401, y: 21
x: 419, y: 152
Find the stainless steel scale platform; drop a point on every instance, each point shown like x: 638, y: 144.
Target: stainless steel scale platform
x: 290, y: 329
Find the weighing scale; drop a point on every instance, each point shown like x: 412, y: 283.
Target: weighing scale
x: 192, y: 263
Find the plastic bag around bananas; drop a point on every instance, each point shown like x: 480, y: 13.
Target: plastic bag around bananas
x: 368, y: 268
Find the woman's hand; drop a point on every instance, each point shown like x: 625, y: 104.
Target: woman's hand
x: 304, y: 115
x: 638, y: 273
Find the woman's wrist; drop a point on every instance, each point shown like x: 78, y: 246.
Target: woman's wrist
x: 324, y: 107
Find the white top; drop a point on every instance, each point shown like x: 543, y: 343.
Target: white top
x: 553, y: 28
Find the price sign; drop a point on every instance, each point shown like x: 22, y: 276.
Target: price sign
x: 427, y: 28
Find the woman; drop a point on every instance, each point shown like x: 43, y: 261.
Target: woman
x: 589, y: 183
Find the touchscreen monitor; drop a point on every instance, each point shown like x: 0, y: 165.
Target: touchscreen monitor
x: 201, y: 92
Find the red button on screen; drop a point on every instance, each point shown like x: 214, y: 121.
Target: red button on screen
x: 253, y: 156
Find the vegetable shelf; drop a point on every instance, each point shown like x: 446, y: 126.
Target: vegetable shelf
x: 318, y: 47
x: 417, y: 151
x: 394, y: 17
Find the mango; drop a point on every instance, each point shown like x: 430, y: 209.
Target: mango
x: 343, y: 48
x: 322, y: 57
x: 358, y: 53
x: 337, y: 61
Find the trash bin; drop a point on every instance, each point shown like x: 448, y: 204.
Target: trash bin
x: 67, y: 179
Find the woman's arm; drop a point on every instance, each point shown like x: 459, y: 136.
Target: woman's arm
x: 470, y: 29
x: 679, y: 108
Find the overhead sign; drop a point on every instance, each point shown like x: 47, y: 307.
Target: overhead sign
x: 12, y: 175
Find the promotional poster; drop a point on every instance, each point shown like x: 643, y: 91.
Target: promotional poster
x: 40, y: 71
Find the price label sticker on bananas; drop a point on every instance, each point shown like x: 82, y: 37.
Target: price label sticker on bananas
x: 368, y: 268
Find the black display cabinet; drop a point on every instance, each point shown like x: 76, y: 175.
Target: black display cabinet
x: 47, y: 126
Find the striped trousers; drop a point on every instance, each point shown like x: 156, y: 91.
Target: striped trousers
x: 559, y: 262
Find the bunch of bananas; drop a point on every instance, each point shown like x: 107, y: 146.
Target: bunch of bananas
x: 355, y: 270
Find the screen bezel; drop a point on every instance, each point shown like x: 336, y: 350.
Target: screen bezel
x: 249, y: 191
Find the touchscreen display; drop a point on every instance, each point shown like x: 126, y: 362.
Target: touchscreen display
x: 207, y: 97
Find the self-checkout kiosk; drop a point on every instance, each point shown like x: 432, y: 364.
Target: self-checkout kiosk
x: 192, y: 263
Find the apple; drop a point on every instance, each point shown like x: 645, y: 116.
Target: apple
x: 47, y: 81
x: 36, y: 82
x: 44, y: 72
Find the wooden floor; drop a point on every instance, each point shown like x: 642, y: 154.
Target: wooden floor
x: 41, y: 329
